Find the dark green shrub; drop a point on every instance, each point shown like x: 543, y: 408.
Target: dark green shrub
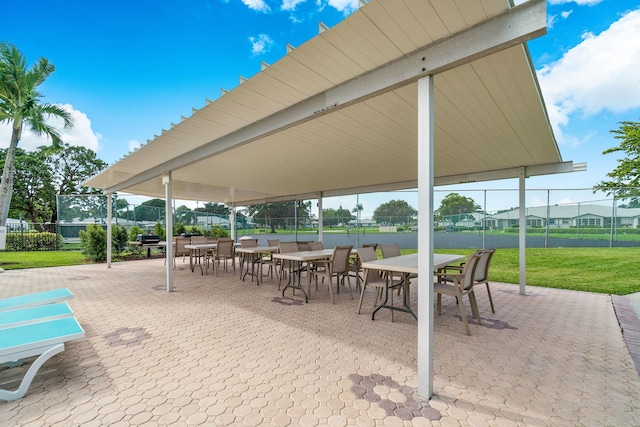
x: 31, y: 240
x: 178, y: 229
x: 119, y: 239
x: 134, y: 231
x: 217, y: 232
x: 93, y: 242
x: 160, y: 231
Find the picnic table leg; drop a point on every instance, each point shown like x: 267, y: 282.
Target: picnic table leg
x: 30, y: 375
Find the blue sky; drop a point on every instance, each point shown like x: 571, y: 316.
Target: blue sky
x: 127, y: 69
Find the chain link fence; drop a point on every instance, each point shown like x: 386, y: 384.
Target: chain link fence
x: 554, y: 218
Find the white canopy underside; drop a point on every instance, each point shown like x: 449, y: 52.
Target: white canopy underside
x: 338, y: 115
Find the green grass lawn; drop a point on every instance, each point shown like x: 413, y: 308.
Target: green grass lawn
x: 19, y: 260
x: 601, y: 270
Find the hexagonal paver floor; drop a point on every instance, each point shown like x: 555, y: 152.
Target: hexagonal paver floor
x: 220, y: 351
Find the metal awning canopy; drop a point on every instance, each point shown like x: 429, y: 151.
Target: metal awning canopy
x: 339, y: 114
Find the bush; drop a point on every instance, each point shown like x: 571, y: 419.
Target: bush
x: 119, y: 239
x: 134, y: 231
x: 31, y: 241
x: 179, y: 229
x: 93, y: 242
x: 157, y: 229
x: 216, y: 232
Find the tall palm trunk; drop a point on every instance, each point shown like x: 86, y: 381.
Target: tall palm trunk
x: 6, y: 186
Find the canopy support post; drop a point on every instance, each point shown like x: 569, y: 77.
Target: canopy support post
x: 425, y: 235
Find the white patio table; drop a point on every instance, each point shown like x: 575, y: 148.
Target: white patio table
x: 406, y: 264
x: 257, y: 250
x: 300, y: 257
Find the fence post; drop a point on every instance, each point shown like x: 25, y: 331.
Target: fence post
x: 613, y: 219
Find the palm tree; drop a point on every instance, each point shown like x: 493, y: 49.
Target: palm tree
x: 20, y: 105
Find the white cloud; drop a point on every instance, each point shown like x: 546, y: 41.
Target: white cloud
x: 257, y: 5
x: 578, y: 2
x: 290, y: 4
x: 600, y: 73
x: 133, y: 145
x: 260, y: 44
x: 346, y: 6
x: 80, y: 135
x: 566, y: 13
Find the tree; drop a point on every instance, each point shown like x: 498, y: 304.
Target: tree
x: 394, y: 211
x: 215, y: 208
x: 357, y: 210
x: 455, y: 204
x: 331, y: 217
x: 150, y: 210
x: 278, y: 214
x: 20, y: 106
x: 70, y: 167
x: 33, y: 189
x: 627, y: 174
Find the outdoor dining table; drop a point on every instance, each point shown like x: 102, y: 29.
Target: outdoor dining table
x: 196, y: 251
x: 300, y: 257
x: 405, y: 264
x: 257, y: 250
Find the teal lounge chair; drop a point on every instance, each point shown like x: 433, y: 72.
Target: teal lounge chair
x: 32, y: 300
x: 43, y: 338
x: 41, y: 313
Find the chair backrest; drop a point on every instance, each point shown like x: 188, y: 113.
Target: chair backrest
x: 340, y: 259
x: 285, y: 247
x: 482, y: 270
x: 180, y: 246
x: 304, y: 246
x: 390, y: 250
x: 365, y: 254
x: 469, y: 271
x: 316, y: 246
x: 273, y: 242
x: 249, y: 243
x: 370, y: 245
x: 224, y: 248
x: 198, y: 240
x: 212, y: 240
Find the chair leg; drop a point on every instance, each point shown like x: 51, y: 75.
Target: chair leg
x: 331, y: 289
x: 362, y: 288
x: 490, y: 299
x: 439, y: 304
x: 463, y: 313
x: 474, y: 307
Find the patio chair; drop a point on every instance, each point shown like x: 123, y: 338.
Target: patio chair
x: 224, y: 252
x: 180, y: 250
x: 482, y: 271
x: 247, y: 243
x: 371, y: 277
x: 391, y: 250
x: 337, y: 266
x: 458, y: 285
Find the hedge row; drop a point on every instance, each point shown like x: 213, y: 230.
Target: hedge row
x: 31, y: 241
x: 575, y: 230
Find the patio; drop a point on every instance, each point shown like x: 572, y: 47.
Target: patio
x: 220, y: 351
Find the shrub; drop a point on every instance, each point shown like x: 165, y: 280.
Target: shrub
x: 134, y: 231
x: 31, y: 240
x: 216, y: 232
x: 119, y: 239
x: 93, y: 242
x: 178, y: 229
x: 157, y: 229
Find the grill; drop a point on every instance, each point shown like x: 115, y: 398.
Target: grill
x: 148, y: 238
